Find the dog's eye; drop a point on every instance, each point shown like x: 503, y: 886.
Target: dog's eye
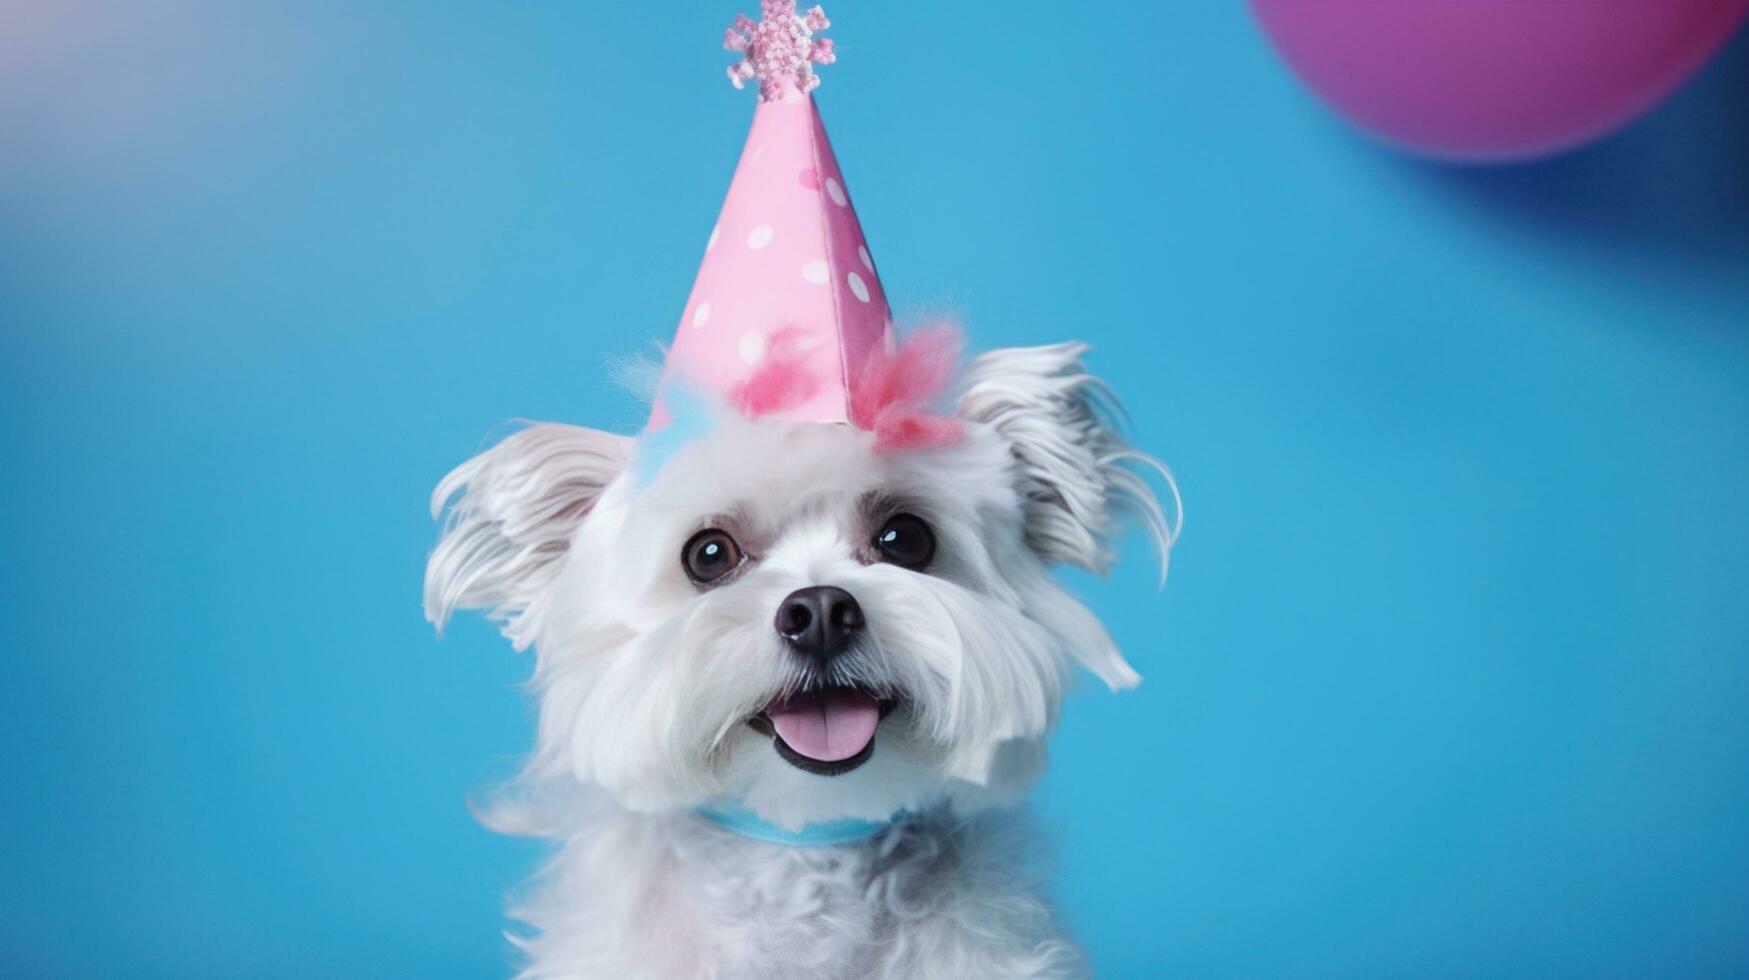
x: 709, y: 555
x: 905, y: 540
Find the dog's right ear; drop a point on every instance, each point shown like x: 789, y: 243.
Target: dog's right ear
x: 520, y: 502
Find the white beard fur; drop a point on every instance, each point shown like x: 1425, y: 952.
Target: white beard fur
x: 645, y: 681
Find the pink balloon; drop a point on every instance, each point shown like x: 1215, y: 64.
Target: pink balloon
x: 1496, y: 79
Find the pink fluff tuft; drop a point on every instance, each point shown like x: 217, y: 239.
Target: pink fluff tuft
x: 891, y: 396
x: 917, y: 431
x: 781, y: 49
x: 782, y: 380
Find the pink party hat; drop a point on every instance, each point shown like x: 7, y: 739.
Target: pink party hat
x: 787, y: 318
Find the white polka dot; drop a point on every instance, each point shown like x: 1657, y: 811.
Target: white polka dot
x: 751, y: 347
x: 700, y: 315
x: 857, y: 286
x: 867, y: 262
x: 760, y: 237
x: 816, y: 272
x: 834, y: 188
x: 713, y: 242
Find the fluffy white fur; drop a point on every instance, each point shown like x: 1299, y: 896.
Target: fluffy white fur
x: 646, y: 681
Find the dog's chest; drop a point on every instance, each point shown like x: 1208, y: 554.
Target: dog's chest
x: 677, y: 897
x: 779, y: 912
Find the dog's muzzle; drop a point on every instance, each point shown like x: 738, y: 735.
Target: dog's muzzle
x: 826, y: 729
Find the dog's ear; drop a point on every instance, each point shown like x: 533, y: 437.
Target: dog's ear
x: 1077, y: 476
x: 519, y: 504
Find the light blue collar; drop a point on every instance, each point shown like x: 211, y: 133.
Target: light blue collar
x: 737, y: 819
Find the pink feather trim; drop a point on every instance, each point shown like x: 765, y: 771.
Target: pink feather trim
x: 782, y: 380
x: 891, y: 396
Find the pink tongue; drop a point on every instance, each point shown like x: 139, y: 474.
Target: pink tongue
x: 828, y: 726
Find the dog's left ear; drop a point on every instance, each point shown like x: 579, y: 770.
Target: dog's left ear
x: 1077, y: 475
x: 520, y: 503
x: 1078, y: 478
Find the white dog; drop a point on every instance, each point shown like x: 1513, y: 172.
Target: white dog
x: 782, y: 630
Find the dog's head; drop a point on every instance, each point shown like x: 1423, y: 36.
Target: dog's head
x: 795, y: 615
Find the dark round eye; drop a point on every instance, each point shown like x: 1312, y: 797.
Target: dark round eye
x: 709, y: 555
x: 905, y: 540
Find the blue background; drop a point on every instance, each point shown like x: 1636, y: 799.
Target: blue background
x: 1450, y: 675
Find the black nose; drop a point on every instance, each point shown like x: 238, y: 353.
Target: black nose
x: 819, y: 621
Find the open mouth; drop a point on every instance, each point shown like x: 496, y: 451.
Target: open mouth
x: 827, y: 731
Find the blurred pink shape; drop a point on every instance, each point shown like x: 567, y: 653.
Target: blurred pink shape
x: 1496, y: 79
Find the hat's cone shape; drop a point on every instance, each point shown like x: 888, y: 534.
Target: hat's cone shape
x: 787, y: 306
